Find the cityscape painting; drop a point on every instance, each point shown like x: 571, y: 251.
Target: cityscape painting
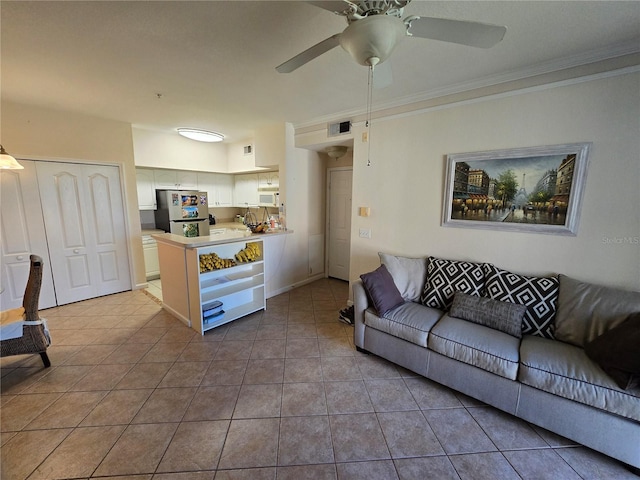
x: 534, y: 189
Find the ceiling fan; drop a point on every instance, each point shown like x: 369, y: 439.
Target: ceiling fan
x: 376, y: 27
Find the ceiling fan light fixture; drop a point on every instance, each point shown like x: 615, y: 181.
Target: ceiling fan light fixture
x: 7, y: 162
x: 201, y: 135
x: 371, y: 40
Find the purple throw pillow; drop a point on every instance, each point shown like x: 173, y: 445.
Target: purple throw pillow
x: 382, y: 290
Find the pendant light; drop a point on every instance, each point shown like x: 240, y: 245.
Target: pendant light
x: 7, y: 162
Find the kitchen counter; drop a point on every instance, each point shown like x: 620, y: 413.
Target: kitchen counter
x: 151, y: 231
x: 242, y: 287
x: 224, y: 236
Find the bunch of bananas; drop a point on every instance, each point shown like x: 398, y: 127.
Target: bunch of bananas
x: 250, y: 254
x: 211, y: 261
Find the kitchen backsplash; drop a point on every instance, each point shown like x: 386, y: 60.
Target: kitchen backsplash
x: 222, y: 214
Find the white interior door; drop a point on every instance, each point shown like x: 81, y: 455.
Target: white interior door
x: 22, y: 230
x: 339, y: 244
x: 84, y: 220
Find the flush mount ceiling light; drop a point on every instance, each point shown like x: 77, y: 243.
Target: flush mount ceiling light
x: 336, y: 151
x: 7, y: 161
x: 201, y: 135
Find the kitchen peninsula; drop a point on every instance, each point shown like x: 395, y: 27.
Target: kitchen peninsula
x: 211, y: 280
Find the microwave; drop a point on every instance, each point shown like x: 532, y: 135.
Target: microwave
x: 269, y: 199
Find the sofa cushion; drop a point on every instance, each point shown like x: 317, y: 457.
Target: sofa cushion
x: 617, y: 352
x: 503, y: 316
x: 381, y: 290
x: 586, y: 311
x: 477, y: 345
x: 446, y: 277
x: 540, y: 295
x: 565, y: 370
x: 410, y: 321
x: 409, y: 274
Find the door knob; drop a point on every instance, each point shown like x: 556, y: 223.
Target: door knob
x: 19, y: 257
x: 75, y: 250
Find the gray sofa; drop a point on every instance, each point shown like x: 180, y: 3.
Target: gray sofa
x: 545, y: 377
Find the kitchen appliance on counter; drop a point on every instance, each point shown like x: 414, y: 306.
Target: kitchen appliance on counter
x: 183, y: 212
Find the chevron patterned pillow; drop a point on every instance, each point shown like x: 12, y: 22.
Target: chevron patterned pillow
x: 446, y: 277
x: 538, y: 294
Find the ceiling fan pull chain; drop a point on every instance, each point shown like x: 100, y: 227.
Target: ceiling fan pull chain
x: 368, y: 121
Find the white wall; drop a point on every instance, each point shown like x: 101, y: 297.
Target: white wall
x: 43, y: 134
x: 164, y: 150
x: 404, y: 185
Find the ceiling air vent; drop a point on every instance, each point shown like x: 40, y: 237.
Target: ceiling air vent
x: 340, y: 128
x: 248, y: 149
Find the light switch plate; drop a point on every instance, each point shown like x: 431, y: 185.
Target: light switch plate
x: 365, y: 233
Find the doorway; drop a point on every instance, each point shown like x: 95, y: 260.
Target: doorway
x: 339, y: 186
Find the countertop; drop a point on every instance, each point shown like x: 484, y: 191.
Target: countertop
x: 229, y: 235
x: 151, y: 231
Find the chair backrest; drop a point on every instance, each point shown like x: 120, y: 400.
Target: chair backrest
x: 31, y: 297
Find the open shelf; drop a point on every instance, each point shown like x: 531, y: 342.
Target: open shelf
x: 240, y: 287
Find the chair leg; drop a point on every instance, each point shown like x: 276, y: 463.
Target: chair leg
x: 45, y: 359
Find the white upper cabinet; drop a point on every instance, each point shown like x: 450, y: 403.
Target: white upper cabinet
x: 207, y: 183
x: 175, y: 179
x: 268, y: 181
x: 246, y: 190
x: 146, y: 189
x: 219, y: 187
x: 224, y: 190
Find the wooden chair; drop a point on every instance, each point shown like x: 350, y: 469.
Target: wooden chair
x: 35, y: 336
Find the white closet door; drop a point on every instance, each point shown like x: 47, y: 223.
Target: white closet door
x: 84, y: 220
x: 23, y: 233
x: 340, y: 222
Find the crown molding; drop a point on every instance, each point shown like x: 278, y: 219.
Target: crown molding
x: 618, y: 57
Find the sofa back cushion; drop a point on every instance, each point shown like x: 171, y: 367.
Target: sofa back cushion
x: 586, y: 311
x: 446, y: 277
x: 538, y: 294
x: 409, y: 274
x: 503, y: 316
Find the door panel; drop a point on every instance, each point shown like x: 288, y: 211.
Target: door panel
x: 84, y: 219
x: 60, y: 187
x: 22, y: 233
x: 108, y: 230
x: 339, y: 223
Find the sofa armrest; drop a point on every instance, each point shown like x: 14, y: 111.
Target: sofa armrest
x: 360, y: 304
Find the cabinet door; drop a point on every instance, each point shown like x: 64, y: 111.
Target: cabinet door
x: 275, y: 180
x: 165, y: 179
x: 224, y: 190
x: 23, y: 233
x: 146, y: 189
x: 246, y: 190
x: 268, y: 180
x: 207, y: 183
x: 187, y: 180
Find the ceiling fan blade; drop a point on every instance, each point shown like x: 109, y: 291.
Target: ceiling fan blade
x: 309, y: 54
x: 474, y: 34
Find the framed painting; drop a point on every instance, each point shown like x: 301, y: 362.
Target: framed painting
x: 533, y: 189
